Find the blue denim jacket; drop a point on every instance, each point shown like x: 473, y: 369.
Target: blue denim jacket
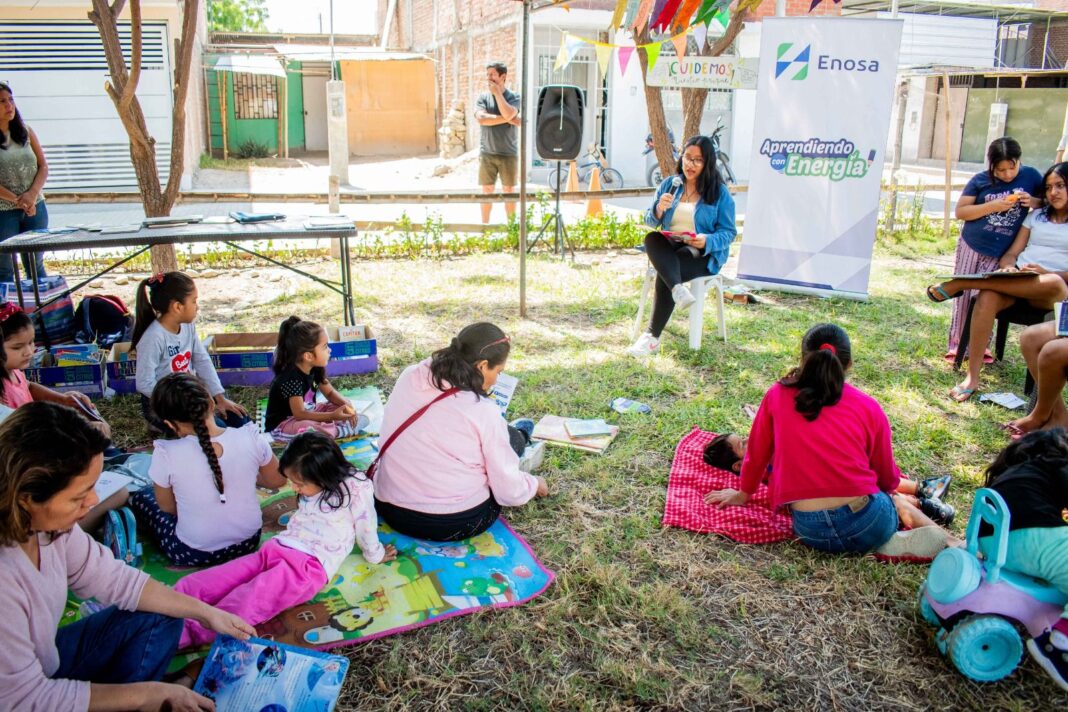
x: 715, y: 222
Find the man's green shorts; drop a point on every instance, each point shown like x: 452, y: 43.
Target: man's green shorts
x: 491, y: 166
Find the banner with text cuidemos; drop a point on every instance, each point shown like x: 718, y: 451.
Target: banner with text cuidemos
x: 822, y: 115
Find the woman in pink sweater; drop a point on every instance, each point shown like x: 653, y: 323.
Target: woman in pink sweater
x: 448, y: 474
x: 50, y: 460
x: 828, y: 445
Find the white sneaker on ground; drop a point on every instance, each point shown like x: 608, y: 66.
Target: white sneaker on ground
x: 917, y: 545
x: 646, y: 345
x: 532, y: 457
x: 682, y: 295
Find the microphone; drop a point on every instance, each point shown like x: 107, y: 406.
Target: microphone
x: 676, y: 183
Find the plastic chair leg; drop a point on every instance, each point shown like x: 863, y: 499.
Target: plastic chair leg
x: 699, y: 287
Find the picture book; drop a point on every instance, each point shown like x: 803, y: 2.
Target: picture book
x: 1020, y: 274
x: 1061, y: 315
x: 552, y: 429
x: 503, y: 390
x: 577, y: 428
x: 109, y: 483
x: 260, y: 674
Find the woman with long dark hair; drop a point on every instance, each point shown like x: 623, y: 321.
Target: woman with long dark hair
x: 832, y: 462
x: 447, y: 474
x: 1041, y: 247
x: 692, y: 218
x: 23, y: 170
x: 993, y: 206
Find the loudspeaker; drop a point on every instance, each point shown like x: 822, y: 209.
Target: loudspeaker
x: 559, y: 124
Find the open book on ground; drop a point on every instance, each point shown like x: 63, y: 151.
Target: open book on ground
x: 261, y: 675
x: 553, y: 430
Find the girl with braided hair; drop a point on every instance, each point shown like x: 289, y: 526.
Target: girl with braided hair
x: 202, y: 507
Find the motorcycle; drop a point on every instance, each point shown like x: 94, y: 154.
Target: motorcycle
x: 653, y: 175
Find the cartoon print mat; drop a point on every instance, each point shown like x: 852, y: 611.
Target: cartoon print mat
x: 428, y: 582
x: 691, y: 479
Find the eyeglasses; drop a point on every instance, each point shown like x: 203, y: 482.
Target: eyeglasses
x: 502, y: 340
x: 693, y: 161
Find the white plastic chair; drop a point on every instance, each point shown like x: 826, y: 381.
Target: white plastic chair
x: 699, y: 287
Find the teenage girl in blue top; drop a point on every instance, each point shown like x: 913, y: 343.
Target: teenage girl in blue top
x: 993, y: 206
x: 693, y: 223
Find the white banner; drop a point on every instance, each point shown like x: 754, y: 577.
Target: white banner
x: 723, y: 72
x: 822, y: 116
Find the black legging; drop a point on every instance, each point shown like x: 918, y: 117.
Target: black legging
x: 674, y: 264
x: 448, y: 527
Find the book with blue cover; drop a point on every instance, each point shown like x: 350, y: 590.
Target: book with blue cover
x: 259, y: 674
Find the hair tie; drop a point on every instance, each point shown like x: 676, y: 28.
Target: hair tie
x: 157, y: 278
x: 829, y: 347
x: 502, y: 340
x: 7, y: 310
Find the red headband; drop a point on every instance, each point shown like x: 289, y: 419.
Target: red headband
x: 502, y: 340
x: 7, y: 310
x: 157, y: 278
x: 829, y: 347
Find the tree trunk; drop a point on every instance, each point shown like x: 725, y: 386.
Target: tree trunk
x: 654, y: 107
x: 122, y: 88
x: 693, y: 100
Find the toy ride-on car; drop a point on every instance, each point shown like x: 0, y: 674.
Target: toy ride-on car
x: 981, y: 608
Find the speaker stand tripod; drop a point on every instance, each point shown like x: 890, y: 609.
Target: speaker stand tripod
x: 560, y: 238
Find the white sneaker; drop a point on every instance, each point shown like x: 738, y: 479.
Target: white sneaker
x: 532, y: 457
x: 682, y: 295
x: 646, y: 345
x: 917, y: 545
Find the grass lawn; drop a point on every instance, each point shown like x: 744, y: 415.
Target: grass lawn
x: 645, y: 617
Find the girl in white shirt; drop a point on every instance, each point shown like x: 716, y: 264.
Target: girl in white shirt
x: 202, y: 507
x: 335, y: 510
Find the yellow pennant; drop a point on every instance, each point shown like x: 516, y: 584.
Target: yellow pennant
x: 604, y: 57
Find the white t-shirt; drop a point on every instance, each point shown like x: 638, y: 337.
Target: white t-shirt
x: 204, y: 521
x: 1047, y: 245
x: 682, y: 218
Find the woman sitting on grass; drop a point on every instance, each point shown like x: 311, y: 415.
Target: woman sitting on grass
x: 1041, y: 247
x: 455, y: 461
x: 828, y: 445
x: 50, y: 460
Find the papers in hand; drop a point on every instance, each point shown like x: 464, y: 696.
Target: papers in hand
x: 109, y: 483
x: 503, y: 390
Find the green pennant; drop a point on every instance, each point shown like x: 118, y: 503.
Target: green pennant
x: 652, y: 53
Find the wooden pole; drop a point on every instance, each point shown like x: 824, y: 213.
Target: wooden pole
x: 899, y: 134
x: 949, y: 162
x: 284, y: 116
x: 207, y: 114
x: 220, y: 85
x: 280, y: 84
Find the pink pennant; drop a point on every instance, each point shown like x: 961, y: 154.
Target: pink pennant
x: 624, y: 58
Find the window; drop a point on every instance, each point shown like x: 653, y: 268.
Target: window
x: 255, y: 96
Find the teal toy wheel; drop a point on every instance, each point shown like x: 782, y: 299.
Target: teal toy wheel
x: 926, y: 611
x: 984, y: 648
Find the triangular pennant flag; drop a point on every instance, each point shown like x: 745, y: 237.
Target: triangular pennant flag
x: 682, y: 17
x: 624, y: 55
x: 749, y: 4
x: 700, y: 35
x: 652, y: 53
x: 573, y: 44
x: 663, y: 19
x: 655, y: 12
x: 641, y: 15
x: 817, y: 2
x: 617, y: 15
x: 604, y: 57
x: 723, y: 17
x: 708, y: 9
x: 679, y: 41
x: 562, y: 60
x: 628, y: 15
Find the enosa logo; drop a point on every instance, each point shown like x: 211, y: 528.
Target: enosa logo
x: 784, y: 59
x: 787, y: 56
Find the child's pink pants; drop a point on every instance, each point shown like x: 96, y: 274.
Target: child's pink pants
x: 256, y: 587
x: 295, y: 426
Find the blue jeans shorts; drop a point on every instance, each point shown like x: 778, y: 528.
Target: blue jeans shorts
x: 841, y: 530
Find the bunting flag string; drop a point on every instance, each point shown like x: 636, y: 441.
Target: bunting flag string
x: 666, y: 13
x: 682, y: 17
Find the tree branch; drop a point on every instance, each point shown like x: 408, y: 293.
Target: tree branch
x: 693, y: 100
x: 184, y: 58
x: 136, y: 43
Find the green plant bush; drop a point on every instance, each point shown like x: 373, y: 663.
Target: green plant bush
x: 251, y: 148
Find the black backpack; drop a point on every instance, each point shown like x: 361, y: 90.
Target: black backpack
x: 102, y: 318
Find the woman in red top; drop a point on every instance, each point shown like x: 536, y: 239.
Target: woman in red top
x: 828, y: 445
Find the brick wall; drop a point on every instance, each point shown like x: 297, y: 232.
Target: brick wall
x: 1057, y: 53
x: 797, y: 7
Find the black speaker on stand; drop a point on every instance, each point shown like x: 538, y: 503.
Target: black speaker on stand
x: 558, y: 137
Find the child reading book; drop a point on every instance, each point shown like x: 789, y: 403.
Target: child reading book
x: 335, y: 510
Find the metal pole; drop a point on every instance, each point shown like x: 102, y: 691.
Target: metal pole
x: 332, y: 74
x: 524, y: 119
x: 893, y: 9
x: 780, y: 8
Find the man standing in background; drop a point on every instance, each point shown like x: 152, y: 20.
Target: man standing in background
x: 497, y: 111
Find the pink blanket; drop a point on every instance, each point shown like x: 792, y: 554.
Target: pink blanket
x: 691, y: 479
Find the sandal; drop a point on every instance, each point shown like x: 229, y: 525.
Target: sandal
x: 960, y: 395
x: 942, y: 294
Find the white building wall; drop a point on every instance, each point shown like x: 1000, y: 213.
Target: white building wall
x: 956, y: 41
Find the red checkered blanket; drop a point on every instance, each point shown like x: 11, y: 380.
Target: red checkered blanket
x: 691, y: 479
